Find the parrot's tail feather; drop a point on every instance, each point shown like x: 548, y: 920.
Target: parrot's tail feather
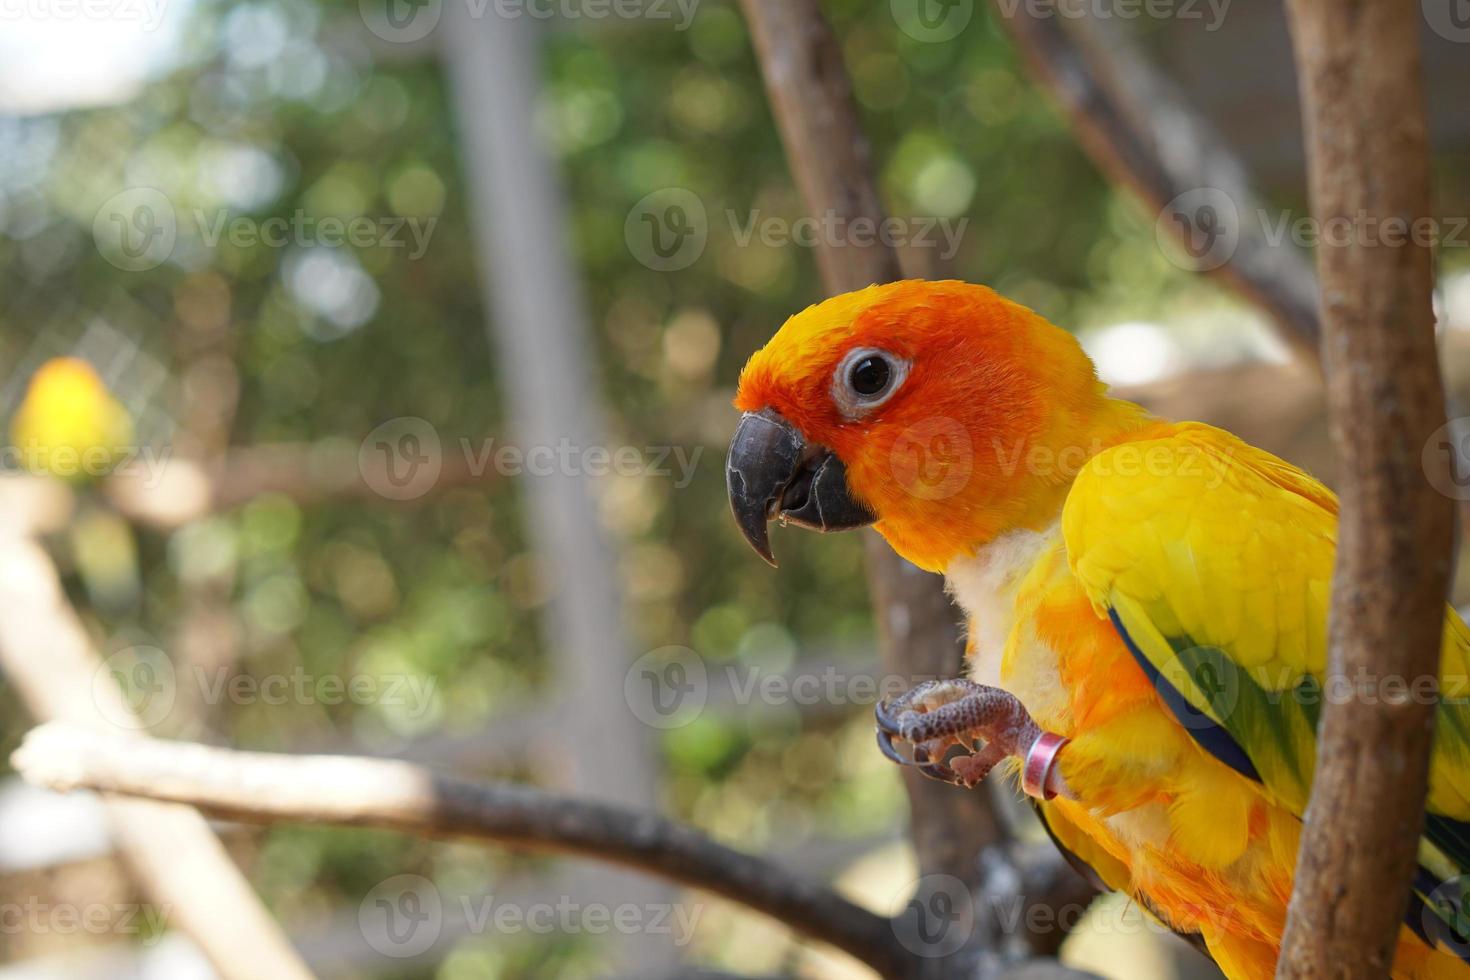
x: 1452, y: 837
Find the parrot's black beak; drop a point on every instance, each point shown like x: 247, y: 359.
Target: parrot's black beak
x: 773, y: 474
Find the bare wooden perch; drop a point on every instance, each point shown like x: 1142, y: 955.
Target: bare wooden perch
x: 831, y: 161
x: 1368, y: 153
x: 167, y: 493
x: 180, y: 863
x: 257, y: 787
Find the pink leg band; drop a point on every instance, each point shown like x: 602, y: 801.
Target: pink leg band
x: 1039, y: 761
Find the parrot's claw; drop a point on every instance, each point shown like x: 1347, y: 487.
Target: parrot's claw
x: 935, y: 715
x: 934, y: 770
x: 890, y: 725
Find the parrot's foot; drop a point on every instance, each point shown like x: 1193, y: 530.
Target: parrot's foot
x: 936, y: 715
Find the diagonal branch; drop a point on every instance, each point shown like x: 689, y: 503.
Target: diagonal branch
x: 831, y: 161
x: 259, y: 787
x: 1141, y: 134
x: 181, y: 864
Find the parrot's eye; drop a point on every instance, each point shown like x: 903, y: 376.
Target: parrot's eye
x: 869, y: 376
x: 866, y: 378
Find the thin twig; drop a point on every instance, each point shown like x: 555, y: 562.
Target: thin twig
x: 258, y: 787
x: 1141, y: 135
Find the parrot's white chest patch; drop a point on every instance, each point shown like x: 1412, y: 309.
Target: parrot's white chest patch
x: 986, y: 585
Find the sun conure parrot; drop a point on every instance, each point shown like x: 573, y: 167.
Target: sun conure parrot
x: 69, y: 425
x: 1146, y: 600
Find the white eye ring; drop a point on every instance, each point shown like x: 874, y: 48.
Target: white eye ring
x: 852, y: 403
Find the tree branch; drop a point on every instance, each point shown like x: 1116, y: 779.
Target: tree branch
x: 1368, y: 154
x: 168, y: 493
x: 47, y: 655
x: 831, y: 161
x: 1140, y: 134
x: 258, y: 787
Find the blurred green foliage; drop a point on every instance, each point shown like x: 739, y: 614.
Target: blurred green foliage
x: 286, y: 107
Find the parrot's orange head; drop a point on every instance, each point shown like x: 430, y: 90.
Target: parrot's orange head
x: 939, y: 411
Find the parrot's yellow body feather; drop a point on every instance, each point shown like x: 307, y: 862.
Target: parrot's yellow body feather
x: 1193, y: 535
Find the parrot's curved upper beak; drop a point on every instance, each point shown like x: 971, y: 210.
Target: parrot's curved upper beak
x: 772, y: 473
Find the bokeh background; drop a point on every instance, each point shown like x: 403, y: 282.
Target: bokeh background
x: 261, y: 391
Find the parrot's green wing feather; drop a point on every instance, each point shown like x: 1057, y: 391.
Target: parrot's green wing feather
x: 1213, y: 560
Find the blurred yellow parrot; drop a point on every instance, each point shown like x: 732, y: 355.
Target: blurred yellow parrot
x: 1147, y: 602
x: 69, y: 425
